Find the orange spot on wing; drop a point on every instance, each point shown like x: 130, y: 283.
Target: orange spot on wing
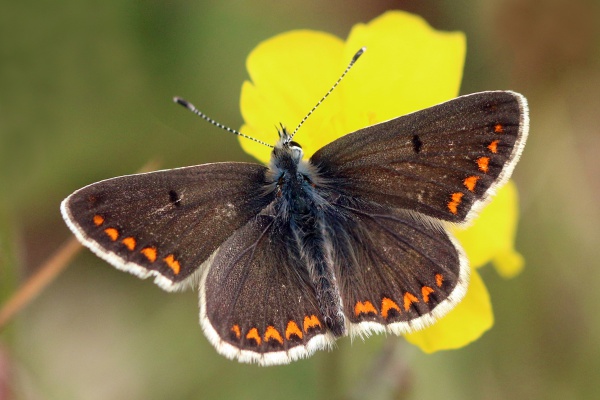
x: 439, y: 279
x: 493, y: 147
x: 292, y: 329
x: 98, y: 220
x: 150, y: 253
x: 129, y: 242
x: 387, y: 305
x: 272, y: 333
x: 253, y: 334
x: 483, y: 163
x: 498, y: 128
x: 236, y: 330
x: 172, y: 263
x: 426, y: 291
x: 364, y: 308
x: 112, y: 233
x: 409, y: 298
x: 311, y: 322
x: 453, y: 204
x: 470, y: 182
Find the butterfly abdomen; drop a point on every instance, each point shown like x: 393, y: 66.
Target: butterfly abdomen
x: 315, y: 252
x: 300, y: 207
x: 306, y: 222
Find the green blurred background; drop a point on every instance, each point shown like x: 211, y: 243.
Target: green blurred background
x: 85, y: 94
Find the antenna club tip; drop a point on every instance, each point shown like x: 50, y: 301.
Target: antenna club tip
x: 182, y: 102
x: 359, y: 53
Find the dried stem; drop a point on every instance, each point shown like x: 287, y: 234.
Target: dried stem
x: 39, y: 280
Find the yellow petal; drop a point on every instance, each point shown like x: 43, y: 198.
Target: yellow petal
x: 461, y: 326
x: 508, y: 263
x: 492, y: 235
x: 290, y: 73
x: 408, y: 66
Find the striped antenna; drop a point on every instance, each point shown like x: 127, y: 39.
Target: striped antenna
x: 199, y: 113
x: 356, y: 56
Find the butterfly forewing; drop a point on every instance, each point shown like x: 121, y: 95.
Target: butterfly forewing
x: 167, y: 223
x: 443, y: 162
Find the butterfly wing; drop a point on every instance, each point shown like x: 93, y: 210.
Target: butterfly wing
x: 256, y: 300
x: 166, y: 224
x: 443, y: 162
x: 396, y: 271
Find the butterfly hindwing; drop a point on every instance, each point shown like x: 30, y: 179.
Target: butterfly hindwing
x: 166, y: 224
x: 396, y: 271
x: 256, y: 301
x: 443, y: 162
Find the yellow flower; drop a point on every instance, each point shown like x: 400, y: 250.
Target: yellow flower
x: 408, y: 66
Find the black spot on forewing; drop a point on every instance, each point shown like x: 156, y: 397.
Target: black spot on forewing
x: 174, y: 198
x: 417, y: 144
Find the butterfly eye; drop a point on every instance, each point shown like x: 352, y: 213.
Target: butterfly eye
x: 293, y: 144
x: 296, y: 150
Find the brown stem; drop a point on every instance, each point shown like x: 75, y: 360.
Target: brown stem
x: 39, y: 280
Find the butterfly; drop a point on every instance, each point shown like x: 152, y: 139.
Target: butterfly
x: 291, y: 256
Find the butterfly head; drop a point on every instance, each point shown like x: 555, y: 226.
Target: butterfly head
x: 286, y: 153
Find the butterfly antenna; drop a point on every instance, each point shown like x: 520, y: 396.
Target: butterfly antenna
x: 356, y: 57
x: 199, y: 113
